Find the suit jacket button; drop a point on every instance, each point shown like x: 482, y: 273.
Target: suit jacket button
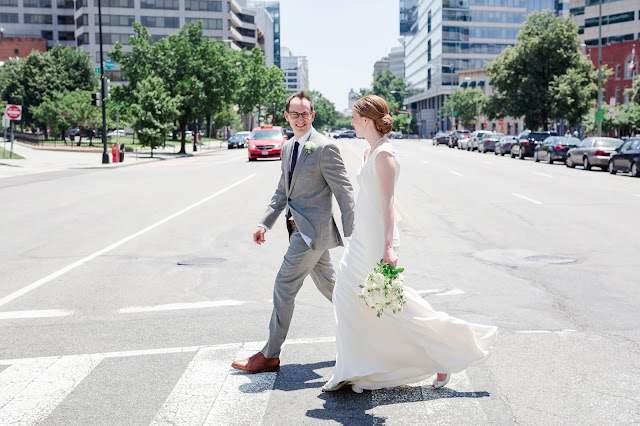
x: 288, y: 199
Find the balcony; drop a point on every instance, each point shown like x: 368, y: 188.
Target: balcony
x: 235, y: 21
x: 235, y: 6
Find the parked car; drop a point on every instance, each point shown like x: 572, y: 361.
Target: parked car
x: 396, y: 135
x: 503, y: 146
x: 527, y: 142
x: 471, y: 142
x: 554, y: 148
x: 456, y: 136
x: 115, y: 133
x: 236, y: 141
x: 441, y: 138
x: 489, y: 141
x: 591, y: 152
x: 266, y: 142
x: 288, y: 134
x: 246, y: 135
x: 626, y: 158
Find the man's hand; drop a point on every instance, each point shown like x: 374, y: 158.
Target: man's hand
x: 258, y: 235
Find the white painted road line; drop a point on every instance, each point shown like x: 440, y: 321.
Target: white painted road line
x: 29, y: 393
x: 542, y: 174
x: 84, y: 260
x: 195, y: 393
x: 50, y: 313
x: 243, y: 398
x: 527, y: 198
x: 452, y: 292
x: 455, y: 173
x: 566, y: 330
x: 180, y: 306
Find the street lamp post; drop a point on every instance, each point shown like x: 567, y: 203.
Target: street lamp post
x: 599, y: 65
x: 105, y: 155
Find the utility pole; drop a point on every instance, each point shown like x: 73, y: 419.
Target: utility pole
x: 599, y: 65
x: 103, y: 91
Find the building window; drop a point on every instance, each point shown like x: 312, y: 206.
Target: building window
x: 160, y: 21
x: 429, y: 79
x: 246, y: 32
x: 113, y: 38
x: 117, y: 3
x: 429, y: 22
x: 159, y: 4
x: 65, y: 20
x: 210, y: 6
x: 38, y: 19
x: 64, y: 4
x: 628, y: 72
x: 617, y: 72
x: 9, y: 18
x: 82, y: 39
x: 11, y: 3
x: 617, y: 96
x: 207, y: 24
x: 115, y: 75
x: 66, y: 36
x: 429, y: 51
x: 37, y: 3
x: 83, y: 20
x: 116, y: 20
x: 249, y: 19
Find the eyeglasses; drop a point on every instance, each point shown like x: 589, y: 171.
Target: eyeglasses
x: 305, y: 115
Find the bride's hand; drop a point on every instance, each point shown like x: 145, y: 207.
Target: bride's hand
x: 390, y: 257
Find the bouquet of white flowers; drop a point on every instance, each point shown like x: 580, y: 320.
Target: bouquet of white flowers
x: 384, y: 288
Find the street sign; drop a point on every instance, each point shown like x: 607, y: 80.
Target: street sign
x: 501, y: 122
x: 14, y: 112
x: 600, y: 114
x: 5, y: 121
x: 109, y: 65
x: 97, y: 70
x: 455, y: 113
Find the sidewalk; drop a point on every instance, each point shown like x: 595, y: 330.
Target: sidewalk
x: 42, y: 160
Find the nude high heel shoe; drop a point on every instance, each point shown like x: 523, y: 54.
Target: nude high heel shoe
x: 439, y: 384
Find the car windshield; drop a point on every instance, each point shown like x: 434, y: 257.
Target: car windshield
x: 464, y: 132
x: 568, y: 141
x: 608, y: 143
x: 538, y: 137
x: 495, y: 135
x: 266, y: 134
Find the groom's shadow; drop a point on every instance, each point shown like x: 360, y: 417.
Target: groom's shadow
x: 291, y: 377
x: 349, y: 408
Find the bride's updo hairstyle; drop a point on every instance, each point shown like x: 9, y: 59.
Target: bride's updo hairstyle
x: 375, y: 108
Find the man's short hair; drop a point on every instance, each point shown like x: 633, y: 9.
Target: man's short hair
x: 302, y: 95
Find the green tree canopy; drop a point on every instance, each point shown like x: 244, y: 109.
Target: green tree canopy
x: 544, y: 76
x: 467, y: 103
x: 326, y: 113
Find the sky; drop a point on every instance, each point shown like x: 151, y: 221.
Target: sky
x: 341, y: 39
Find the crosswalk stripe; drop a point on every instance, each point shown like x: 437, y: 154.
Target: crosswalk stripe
x: 243, y: 398
x: 33, y: 390
x: 196, y: 391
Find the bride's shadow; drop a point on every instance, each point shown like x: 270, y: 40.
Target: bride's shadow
x: 349, y: 408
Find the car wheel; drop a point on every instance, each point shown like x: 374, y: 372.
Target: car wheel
x: 610, y: 168
x: 511, y: 154
x: 535, y: 157
x: 569, y: 162
x: 521, y: 154
x: 481, y: 151
x: 549, y: 158
x: 585, y: 163
x: 495, y: 151
x: 252, y: 159
x: 635, y: 170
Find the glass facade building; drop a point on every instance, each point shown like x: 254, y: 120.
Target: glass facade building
x: 445, y: 36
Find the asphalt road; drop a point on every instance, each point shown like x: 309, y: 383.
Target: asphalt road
x: 99, y: 325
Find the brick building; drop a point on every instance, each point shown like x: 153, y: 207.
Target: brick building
x: 19, y: 47
x: 618, y: 57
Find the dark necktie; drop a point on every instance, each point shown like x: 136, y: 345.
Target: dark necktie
x: 294, y: 160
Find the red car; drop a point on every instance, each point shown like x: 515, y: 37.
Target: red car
x: 266, y: 142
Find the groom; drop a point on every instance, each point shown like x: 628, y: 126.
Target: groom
x: 312, y: 171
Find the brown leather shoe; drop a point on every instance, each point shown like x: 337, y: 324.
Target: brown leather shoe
x: 257, y: 364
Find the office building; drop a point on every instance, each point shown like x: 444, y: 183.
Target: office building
x: 396, y: 61
x: 19, y: 47
x: 273, y: 9
x: 296, y: 70
x: 443, y: 37
x: 620, y: 20
x: 56, y: 21
x: 380, y: 67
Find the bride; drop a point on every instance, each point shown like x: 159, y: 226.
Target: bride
x: 417, y: 342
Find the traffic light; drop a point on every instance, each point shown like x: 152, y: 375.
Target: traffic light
x: 408, y: 112
x: 95, y: 99
x: 108, y: 89
x: 397, y: 111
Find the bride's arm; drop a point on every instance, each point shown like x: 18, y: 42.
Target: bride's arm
x: 386, y: 171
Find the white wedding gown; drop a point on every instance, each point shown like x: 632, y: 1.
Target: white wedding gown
x: 395, y: 349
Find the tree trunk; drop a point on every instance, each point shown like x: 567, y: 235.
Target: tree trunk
x: 183, y: 132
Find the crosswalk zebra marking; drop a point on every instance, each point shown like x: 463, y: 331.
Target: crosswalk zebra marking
x: 42, y: 313
x: 193, y: 396
x: 29, y: 392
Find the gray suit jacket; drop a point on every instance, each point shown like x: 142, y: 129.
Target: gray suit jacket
x: 317, y: 176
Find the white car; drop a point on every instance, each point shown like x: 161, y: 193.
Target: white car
x: 116, y: 133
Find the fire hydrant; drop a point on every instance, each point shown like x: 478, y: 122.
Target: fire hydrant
x: 115, y: 152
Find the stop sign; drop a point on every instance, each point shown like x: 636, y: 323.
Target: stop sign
x: 14, y: 112
x: 501, y: 122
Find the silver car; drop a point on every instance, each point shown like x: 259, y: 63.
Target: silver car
x: 471, y: 143
x: 592, y: 151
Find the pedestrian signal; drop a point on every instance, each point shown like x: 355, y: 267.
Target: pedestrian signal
x: 95, y: 99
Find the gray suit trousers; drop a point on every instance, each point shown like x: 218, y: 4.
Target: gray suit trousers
x: 299, y: 262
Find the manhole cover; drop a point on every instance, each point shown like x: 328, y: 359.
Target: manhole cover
x: 550, y: 259
x: 202, y: 261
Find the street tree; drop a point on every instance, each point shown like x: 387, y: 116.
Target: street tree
x: 468, y: 105
x: 32, y: 79
x: 531, y: 77
x: 155, y: 110
x: 326, y: 113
